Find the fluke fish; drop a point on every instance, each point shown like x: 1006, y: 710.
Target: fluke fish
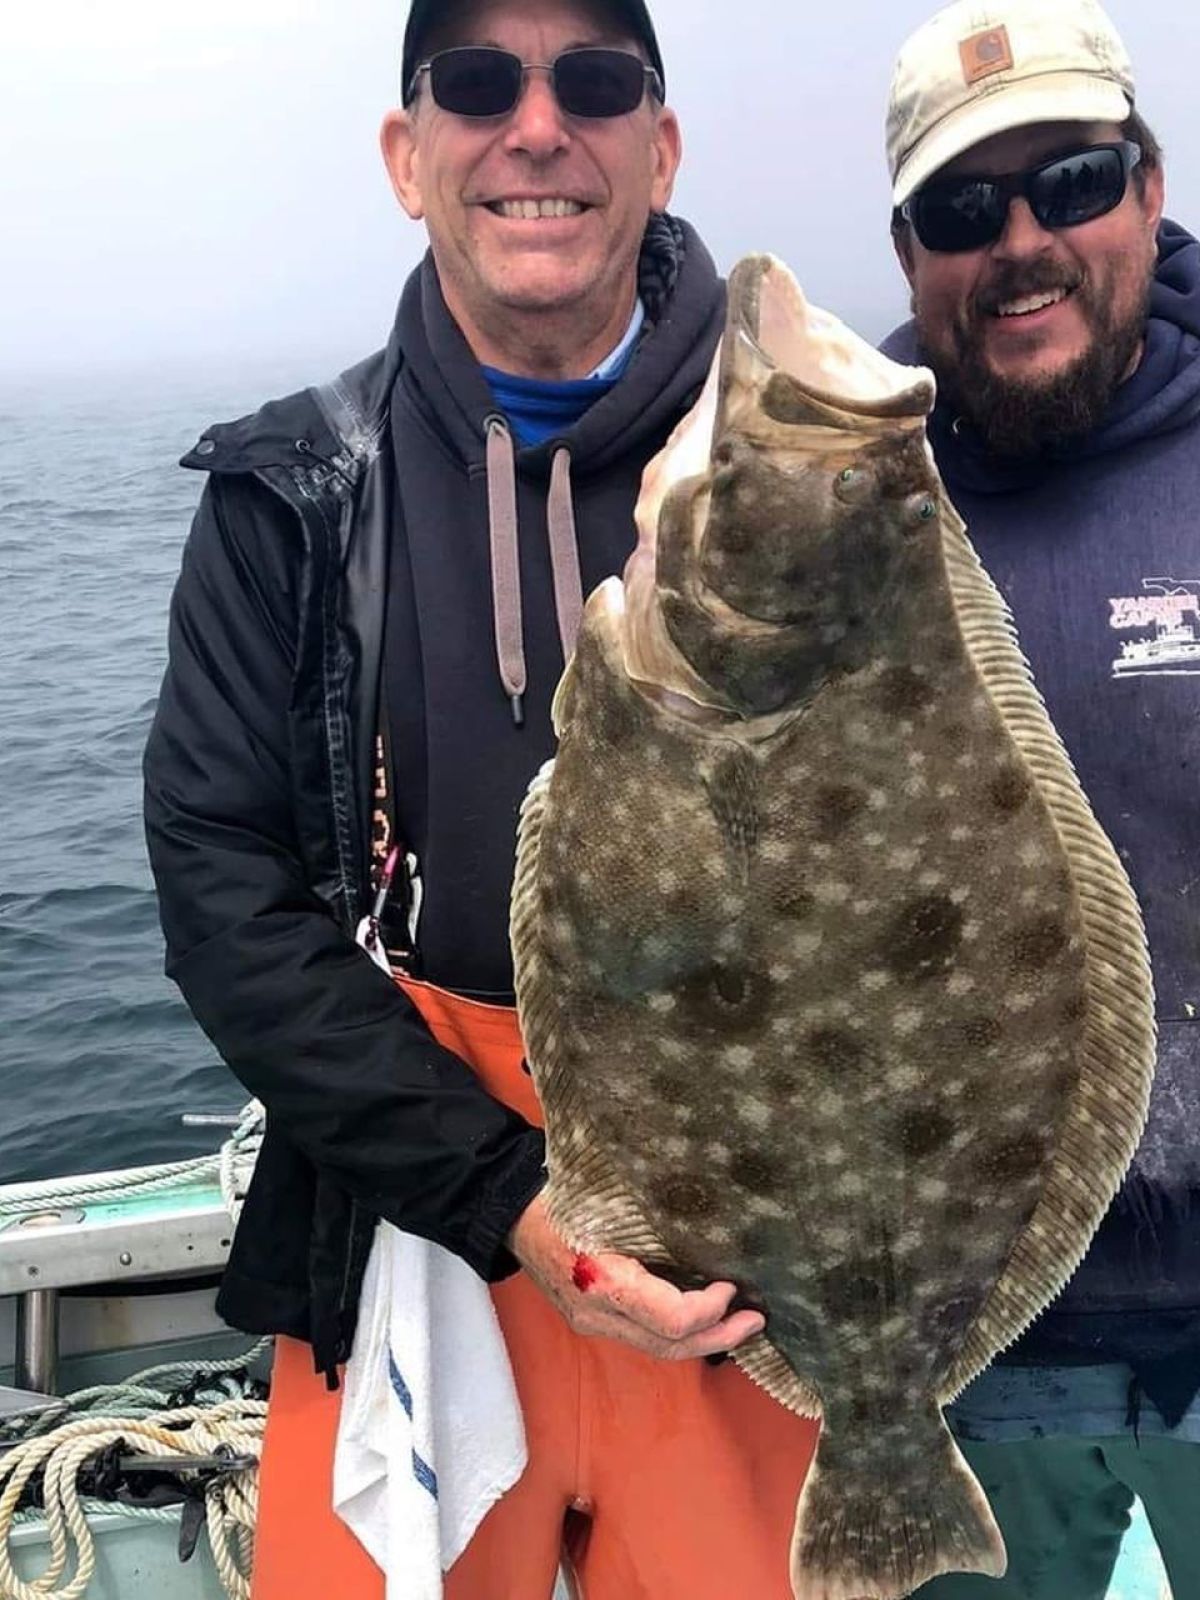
x: 831, y: 984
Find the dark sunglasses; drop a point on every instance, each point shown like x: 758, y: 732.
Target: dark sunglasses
x: 479, y: 81
x: 965, y: 213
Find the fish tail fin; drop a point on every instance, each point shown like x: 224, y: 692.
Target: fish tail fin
x: 882, y: 1514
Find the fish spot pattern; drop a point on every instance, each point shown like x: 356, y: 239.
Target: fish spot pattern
x: 902, y: 691
x: 687, y: 1195
x: 907, y: 1020
x: 754, y: 1112
x: 751, y: 1167
x: 1016, y: 1159
x: 794, y: 901
x: 783, y: 1080
x: 670, y: 1085
x: 924, y: 938
x: 1009, y: 789
x: 836, y: 807
x: 861, y: 1290
x: 981, y: 1031
x: 923, y: 1130
x: 835, y: 1049
x: 1038, y: 941
x: 1076, y: 1007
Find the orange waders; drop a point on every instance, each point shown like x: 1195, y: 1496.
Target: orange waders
x: 654, y: 1480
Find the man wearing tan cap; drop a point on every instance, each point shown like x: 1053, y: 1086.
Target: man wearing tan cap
x: 1061, y: 315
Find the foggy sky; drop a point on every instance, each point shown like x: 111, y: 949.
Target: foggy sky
x: 191, y: 186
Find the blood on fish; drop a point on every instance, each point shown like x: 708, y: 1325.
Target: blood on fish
x: 585, y: 1273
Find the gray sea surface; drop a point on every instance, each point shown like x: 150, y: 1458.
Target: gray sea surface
x: 99, y: 1057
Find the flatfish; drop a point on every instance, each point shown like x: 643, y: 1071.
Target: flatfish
x: 831, y: 984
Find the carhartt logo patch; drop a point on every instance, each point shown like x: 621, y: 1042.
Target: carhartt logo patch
x: 985, y: 53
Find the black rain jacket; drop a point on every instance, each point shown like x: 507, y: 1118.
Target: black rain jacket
x: 259, y: 785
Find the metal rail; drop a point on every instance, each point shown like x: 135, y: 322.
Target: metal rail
x: 178, y: 1234
x: 37, y: 1341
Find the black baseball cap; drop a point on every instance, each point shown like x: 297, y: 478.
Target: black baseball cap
x: 425, y: 12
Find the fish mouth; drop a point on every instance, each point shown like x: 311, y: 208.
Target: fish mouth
x: 772, y: 330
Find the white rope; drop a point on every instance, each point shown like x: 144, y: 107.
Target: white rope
x: 58, y: 1438
x: 231, y: 1502
x: 143, y: 1394
x: 237, y: 1156
x: 231, y: 1167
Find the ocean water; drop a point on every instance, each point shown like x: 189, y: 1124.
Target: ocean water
x: 99, y: 1057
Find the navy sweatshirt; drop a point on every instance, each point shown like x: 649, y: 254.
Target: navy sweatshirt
x: 1097, y: 552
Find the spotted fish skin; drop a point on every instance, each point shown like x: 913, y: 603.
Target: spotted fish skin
x: 830, y: 983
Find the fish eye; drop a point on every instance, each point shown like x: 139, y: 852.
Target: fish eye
x: 850, y: 483
x: 922, y: 508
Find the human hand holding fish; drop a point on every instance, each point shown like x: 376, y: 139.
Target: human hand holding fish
x: 613, y: 1296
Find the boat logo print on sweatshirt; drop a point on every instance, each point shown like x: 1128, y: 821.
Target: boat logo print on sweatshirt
x: 1167, y: 620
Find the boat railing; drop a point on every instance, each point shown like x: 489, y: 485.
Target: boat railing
x: 125, y: 1228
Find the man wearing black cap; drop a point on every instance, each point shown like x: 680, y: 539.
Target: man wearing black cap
x: 382, y: 583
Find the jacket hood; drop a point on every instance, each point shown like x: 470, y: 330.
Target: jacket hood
x: 685, y: 307
x: 1162, y: 395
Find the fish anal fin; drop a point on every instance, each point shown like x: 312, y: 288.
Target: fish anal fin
x: 763, y: 1364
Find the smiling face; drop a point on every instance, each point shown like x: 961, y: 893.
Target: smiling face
x: 1030, y: 335
x: 535, y: 217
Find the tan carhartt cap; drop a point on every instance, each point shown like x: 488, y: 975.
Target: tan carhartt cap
x: 976, y: 70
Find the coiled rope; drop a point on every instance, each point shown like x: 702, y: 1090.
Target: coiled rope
x: 231, y: 1501
x: 142, y: 1414
x: 144, y: 1394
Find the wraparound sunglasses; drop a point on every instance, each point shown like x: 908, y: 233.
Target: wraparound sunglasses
x: 480, y: 81
x: 966, y: 213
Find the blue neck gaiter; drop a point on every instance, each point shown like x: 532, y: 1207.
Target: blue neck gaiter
x: 538, y: 410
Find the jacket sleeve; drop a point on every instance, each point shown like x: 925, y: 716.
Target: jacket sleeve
x: 337, y: 1054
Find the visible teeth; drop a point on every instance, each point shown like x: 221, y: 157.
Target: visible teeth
x: 530, y: 210
x: 1033, y: 302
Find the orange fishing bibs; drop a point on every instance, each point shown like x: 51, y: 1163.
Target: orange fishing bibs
x: 651, y: 1480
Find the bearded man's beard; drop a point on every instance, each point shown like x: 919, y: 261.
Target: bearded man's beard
x: 1030, y: 417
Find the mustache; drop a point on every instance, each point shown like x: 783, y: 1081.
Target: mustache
x: 1013, y: 280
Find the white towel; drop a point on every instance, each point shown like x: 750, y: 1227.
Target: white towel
x: 431, y: 1434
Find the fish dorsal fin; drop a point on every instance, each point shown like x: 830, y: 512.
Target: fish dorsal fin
x: 587, y: 1201
x: 1107, y: 1113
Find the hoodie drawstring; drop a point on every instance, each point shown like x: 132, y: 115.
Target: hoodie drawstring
x: 506, y: 565
x: 564, y: 552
